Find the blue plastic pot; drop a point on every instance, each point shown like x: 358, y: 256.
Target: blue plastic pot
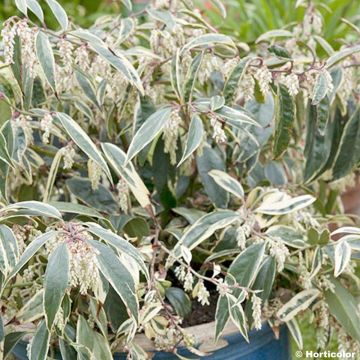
x: 263, y: 345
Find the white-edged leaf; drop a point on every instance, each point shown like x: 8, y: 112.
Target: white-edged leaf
x: 59, y: 13
x: 117, y: 160
x: 227, y: 182
x: 284, y: 205
x: 288, y: 235
x: 78, y: 209
x: 220, y: 6
x: 119, y: 62
x: 82, y: 140
x: 120, y: 244
x: 295, y: 332
x: 342, y: 256
x: 152, y: 126
x: 46, y: 59
x: 195, y: 137
x: 341, y: 54
x: 34, y: 208
x: 52, y: 175
x: 56, y: 281
x: 9, y: 251
x: 346, y: 230
x: 207, y: 40
x: 320, y: 88
x: 87, y: 87
x: 127, y: 3
x: 274, y: 34
x: 205, y: 227
x: 117, y: 274
x: 34, y: 6
x: 40, y: 343
x: 22, y: 6
x: 298, y: 303
x: 31, y: 250
x: 237, y: 316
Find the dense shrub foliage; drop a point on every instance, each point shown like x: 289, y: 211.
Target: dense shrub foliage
x: 151, y: 161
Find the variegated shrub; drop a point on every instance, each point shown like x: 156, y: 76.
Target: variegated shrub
x: 149, y: 161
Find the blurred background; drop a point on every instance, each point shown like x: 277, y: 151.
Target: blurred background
x: 246, y: 19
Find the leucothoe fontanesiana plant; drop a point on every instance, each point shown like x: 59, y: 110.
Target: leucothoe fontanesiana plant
x: 150, y: 161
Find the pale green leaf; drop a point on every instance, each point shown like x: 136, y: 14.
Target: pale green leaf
x: 56, y: 282
x: 152, y: 126
x: 46, y: 59
x: 207, y: 40
x: 117, y: 160
x: 40, y: 343
x: 82, y: 140
x: 273, y: 34
x: 117, y: 274
x: 34, y: 6
x: 59, y: 13
x: 194, y: 139
x: 228, y: 183
x: 342, y: 256
x: 298, y: 303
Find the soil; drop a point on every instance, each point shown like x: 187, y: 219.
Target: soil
x: 202, y: 314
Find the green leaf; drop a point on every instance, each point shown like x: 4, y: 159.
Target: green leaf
x: 40, y: 343
x: 342, y: 256
x: 22, y: 6
x: 265, y: 278
x: 117, y: 160
x: 221, y: 315
x: 284, y: 121
x: 179, y: 300
x: 117, y: 274
x: 298, y: 303
x: 194, y: 139
x: 319, y: 139
x: 284, y: 205
x: 206, y: 41
x: 175, y: 75
x: 31, y: 250
x: 232, y: 83
x: 274, y: 34
x: 78, y: 209
x: 228, y: 183
x: 191, y: 215
x: 4, y: 153
x: 46, y: 59
x: 11, y: 340
x: 288, y: 235
x: 295, y: 331
x: 246, y: 265
x: 279, y: 51
x: 91, y: 343
x: 237, y: 315
x: 87, y: 87
x: 56, y: 281
x: 34, y: 6
x: 344, y: 307
x: 191, y: 76
x: 341, y: 54
x: 203, y: 228
x: 101, y: 199
x: 348, y: 154
x: 9, y: 248
x: 82, y: 140
x: 52, y: 175
x: 59, y: 13
x: 148, y: 131
x: 33, y: 208
x: 320, y: 88
x: 210, y: 160
x: 121, y: 245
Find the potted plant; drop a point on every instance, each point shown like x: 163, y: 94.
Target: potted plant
x: 158, y: 175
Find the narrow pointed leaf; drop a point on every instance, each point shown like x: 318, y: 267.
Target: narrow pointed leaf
x: 228, y: 183
x: 46, y: 59
x: 59, y: 13
x: 57, y: 278
x: 152, y: 126
x: 195, y: 137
